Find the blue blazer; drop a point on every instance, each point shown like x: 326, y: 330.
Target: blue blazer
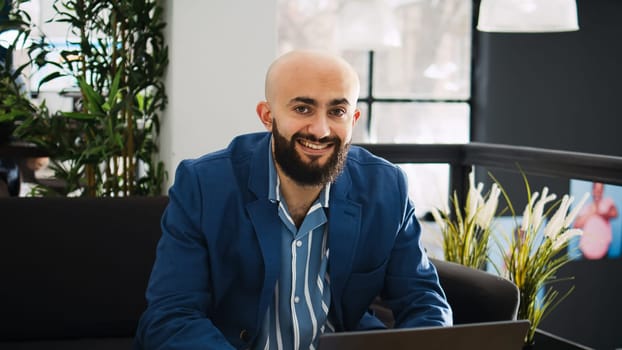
x: 219, y: 255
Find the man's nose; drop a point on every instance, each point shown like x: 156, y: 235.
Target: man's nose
x: 319, y: 126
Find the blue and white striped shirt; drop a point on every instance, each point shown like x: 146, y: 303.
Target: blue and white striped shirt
x: 298, y: 313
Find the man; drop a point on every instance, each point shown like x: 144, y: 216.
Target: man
x: 289, y: 234
x: 595, y: 220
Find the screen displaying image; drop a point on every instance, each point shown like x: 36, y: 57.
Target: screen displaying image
x: 600, y: 219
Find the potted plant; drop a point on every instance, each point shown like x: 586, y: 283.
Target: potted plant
x: 532, y: 254
x: 14, y: 103
x: 537, y: 249
x: 466, y: 230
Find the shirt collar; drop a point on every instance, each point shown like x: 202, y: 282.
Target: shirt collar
x: 274, y: 183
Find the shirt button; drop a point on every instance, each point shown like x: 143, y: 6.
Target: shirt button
x: 298, y: 244
x: 296, y: 300
x: 245, y: 336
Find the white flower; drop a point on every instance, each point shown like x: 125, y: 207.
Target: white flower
x: 568, y: 234
x: 556, y: 229
x: 556, y: 223
x: 538, y: 210
x: 527, y: 213
x: 560, y: 221
x: 487, y: 211
x: 573, y: 214
x: 439, y: 220
x: 474, y: 197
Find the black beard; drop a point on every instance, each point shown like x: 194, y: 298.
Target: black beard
x: 308, y: 174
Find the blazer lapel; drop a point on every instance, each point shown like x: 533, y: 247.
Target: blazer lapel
x: 263, y: 215
x: 268, y: 231
x: 344, y: 222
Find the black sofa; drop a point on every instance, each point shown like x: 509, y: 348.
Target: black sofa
x: 73, y: 273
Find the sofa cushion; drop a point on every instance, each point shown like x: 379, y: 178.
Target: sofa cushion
x: 75, y: 267
x: 73, y: 344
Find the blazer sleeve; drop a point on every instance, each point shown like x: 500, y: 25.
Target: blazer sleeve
x: 412, y: 288
x: 178, y: 294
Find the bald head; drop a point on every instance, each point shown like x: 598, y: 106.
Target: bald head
x: 301, y: 67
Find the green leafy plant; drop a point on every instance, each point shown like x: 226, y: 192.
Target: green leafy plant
x: 117, y: 57
x: 537, y: 249
x: 15, y: 106
x: 533, y: 252
x: 466, y: 231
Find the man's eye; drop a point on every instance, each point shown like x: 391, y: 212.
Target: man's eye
x: 302, y: 109
x: 338, y: 112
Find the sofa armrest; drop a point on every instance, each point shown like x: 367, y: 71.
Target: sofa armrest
x: 474, y: 295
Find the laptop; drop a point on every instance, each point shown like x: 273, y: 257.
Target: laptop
x: 499, y: 335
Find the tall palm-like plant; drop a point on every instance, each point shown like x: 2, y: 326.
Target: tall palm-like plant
x: 15, y: 105
x: 117, y: 57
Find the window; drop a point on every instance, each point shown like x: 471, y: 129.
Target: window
x: 416, y: 93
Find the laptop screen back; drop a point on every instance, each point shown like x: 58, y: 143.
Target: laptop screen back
x: 507, y: 335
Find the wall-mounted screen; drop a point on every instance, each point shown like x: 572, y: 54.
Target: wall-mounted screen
x: 600, y: 219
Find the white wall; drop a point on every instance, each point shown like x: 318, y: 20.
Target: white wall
x: 219, y: 51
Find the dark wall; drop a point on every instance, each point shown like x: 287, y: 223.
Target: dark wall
x: 555, y: 90
x: 592, y: 312
x: 559, y: 91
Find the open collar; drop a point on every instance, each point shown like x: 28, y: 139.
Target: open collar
x: 344, y: 224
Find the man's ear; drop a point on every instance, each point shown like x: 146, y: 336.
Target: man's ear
x: 265, y: 114
x: 356, y: 115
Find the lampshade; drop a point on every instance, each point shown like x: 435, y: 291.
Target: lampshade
x: 367, y: 25
x: 528, y: 16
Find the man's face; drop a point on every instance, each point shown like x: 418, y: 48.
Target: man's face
x: 309, y: 171
x: 597, y: 191
x: 313, y: 102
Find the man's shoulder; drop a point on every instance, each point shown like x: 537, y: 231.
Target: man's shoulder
x: 240, y: 149
x: 368, y: 170
x: 373, y: 181
x: 360, y: 157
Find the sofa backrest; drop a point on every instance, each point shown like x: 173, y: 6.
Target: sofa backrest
x: 75, y: 267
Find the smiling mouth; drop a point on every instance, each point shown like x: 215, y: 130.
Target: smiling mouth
x: 314, y: 146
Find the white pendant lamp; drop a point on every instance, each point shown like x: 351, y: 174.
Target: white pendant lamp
x: 527, y: 16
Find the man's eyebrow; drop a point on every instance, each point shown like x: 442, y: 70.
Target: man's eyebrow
x: 313, y: 102
x: 307, y: 100
x: 339, y: 101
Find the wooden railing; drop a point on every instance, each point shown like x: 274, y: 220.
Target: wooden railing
x: 461, y: 158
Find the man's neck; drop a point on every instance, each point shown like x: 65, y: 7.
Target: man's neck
x: 298, y: 198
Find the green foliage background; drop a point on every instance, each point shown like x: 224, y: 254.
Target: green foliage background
x: 107, y: 145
